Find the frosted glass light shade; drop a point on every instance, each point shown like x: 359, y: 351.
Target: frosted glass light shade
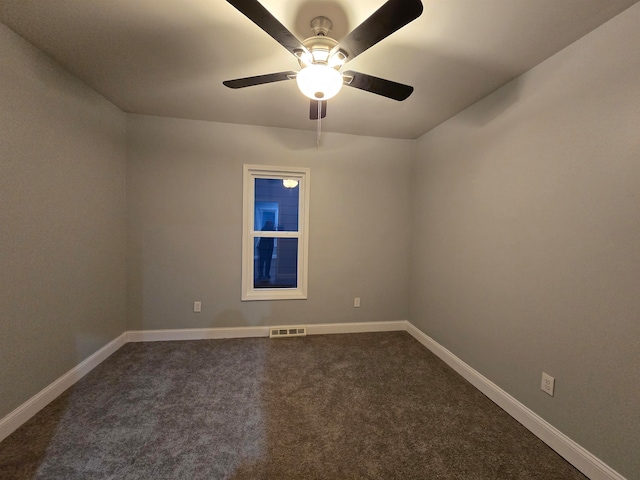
x: 290, y: 183
x: 319, y: 82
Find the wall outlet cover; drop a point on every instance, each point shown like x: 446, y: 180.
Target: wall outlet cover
x: 548, y: 383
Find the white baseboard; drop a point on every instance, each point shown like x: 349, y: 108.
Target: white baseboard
x: 580, y: 458
x: 583, y: 460
x: 195, y: 334
x: 24, y: 412
x: 356, y: 327
x: 244, y: 332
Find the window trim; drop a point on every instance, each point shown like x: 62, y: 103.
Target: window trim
x: 250, y: 172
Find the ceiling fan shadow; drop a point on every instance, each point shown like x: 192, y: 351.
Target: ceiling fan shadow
x: 449, y: 82
x: 494, y: 104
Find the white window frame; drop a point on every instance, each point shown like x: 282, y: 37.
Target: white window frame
x: 249, y: 234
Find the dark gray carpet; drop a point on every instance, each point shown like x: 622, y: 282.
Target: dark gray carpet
x: 359, y: 406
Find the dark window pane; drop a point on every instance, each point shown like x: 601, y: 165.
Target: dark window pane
x: 275, y: 263
x: 276, y: 207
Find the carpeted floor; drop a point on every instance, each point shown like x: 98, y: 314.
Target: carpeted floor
x: 357, y: 406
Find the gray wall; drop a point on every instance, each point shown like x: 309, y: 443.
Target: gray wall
x: 184, y: 196
x: 62, y: 212
x: 527, y: 239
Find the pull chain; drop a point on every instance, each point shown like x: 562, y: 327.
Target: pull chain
x: 319, y: 128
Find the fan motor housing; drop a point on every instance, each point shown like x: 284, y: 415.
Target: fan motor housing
x: 320, y: 46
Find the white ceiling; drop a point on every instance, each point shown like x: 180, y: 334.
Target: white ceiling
x: 169, y: 57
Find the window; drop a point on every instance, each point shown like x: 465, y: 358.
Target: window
x: 274, y: 238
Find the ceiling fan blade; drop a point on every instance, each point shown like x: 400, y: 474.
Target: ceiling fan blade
x: 313, y: 109
x: 259, y: 79
x: 379, y: 86
x: 389, y: 18
x: 254, y: 11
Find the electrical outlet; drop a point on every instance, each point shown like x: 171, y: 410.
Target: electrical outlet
x: 356, y: 302
x: 197, y: 307
x: 548, y: 383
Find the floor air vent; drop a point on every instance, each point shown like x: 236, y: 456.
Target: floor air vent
x: 282, y: 332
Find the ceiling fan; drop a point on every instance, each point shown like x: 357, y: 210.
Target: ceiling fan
x: 322, y: 57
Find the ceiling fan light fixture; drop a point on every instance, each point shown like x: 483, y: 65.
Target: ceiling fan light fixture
x: 320, y: 55
x: 319, y: 81
x: 337, y: 59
